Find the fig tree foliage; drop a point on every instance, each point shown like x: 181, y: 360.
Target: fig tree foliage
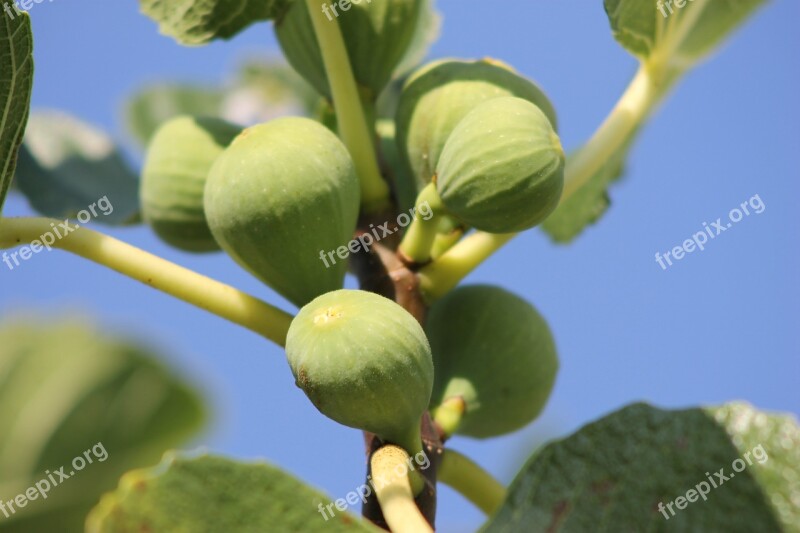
x: 407, y: 175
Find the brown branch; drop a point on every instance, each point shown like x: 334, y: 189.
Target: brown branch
x: 381, y: 271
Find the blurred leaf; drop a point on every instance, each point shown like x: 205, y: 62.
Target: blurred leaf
x: 197, y: 22
x: 588, y: 204
x: 675, y: 36
x: 612, y: 474
x: 16, y: 82
x: 213, y: 494
x: 154, y: 105
x: 261, y: 90
x: 68, y: 165
x: 64, y: 388
x: 429, y: 25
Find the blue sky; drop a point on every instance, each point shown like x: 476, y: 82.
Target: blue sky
x: 718, y: 326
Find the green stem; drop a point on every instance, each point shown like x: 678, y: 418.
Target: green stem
x: 419, y: 238
x: 395, y: 493
x: 442, y: 276
x: 627, y: 115
x: 641, y: 96
x: 471, y: 481
x: 182, y: 283
x: 350, y: 115
x: 449, y: 414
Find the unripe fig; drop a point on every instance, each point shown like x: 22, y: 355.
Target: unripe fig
x: 502, y: 169
x: 365, y: 362
x: 438, y: 96
x: 176, y: 168
x: 493, y: 350
x: 377, y: 34
x: 278, y: 198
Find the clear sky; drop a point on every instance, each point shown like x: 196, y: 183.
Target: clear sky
x: 718, y: 326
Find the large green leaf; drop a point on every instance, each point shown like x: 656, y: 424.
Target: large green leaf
x: 210, y: 494
x: 67, y: 166
x: 679, y: 35
x: 615, y: 474
x: 65, y: 388
x: 16, y: 82
x: 196, y: 22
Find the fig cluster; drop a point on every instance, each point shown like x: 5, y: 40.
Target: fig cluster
x: 487, y: 137
x: 273, y: 196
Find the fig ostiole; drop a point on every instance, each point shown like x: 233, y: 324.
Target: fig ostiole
x: 364, y: 362
x: 377, y: 35
x: 502, y: 168
x: 282, y: 193
x: 439, y: 95
x: 179, y: 158
x: 495, y: 353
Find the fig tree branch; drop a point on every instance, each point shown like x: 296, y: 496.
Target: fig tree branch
x: 182, y: 283
x: 471, y: 481
x: 350, y: 114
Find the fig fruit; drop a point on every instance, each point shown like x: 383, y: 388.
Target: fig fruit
x: 439, y: 95
x: 176, y: 168
x: 495, y: 352
x: 364, y: 362
x: 502, y: 169
x: 280, y: 197
x: 377, y: 35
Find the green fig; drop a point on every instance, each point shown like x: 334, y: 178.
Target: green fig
x: 278, y: 198
x: 502, y: 169
x: 178, y: 160
x: 364, y: 362
x: 495, y: 352
x: 439, y: 95
x: 377, y: 35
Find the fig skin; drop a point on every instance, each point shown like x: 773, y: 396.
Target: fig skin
x: 496, y: 352
x: 279, y: 195
x: 502, y: 169
x: 439, y: 95
x: 377, y: 35
x: 364, y: 362
x: 179, y: 158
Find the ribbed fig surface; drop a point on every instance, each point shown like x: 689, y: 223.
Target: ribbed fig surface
x: 176, y: 168
x: 502, y: 169
x: 495, y: 351
x: 363, y: 361
x: 439, y: 95
x: 377, y: 35
x: 283, y: 193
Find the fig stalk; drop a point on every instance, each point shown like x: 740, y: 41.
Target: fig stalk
x: 350, y: 114
x: 396, y: 492
x: 182, y: 283
x: 421, y: 234
x: 460, y: 473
